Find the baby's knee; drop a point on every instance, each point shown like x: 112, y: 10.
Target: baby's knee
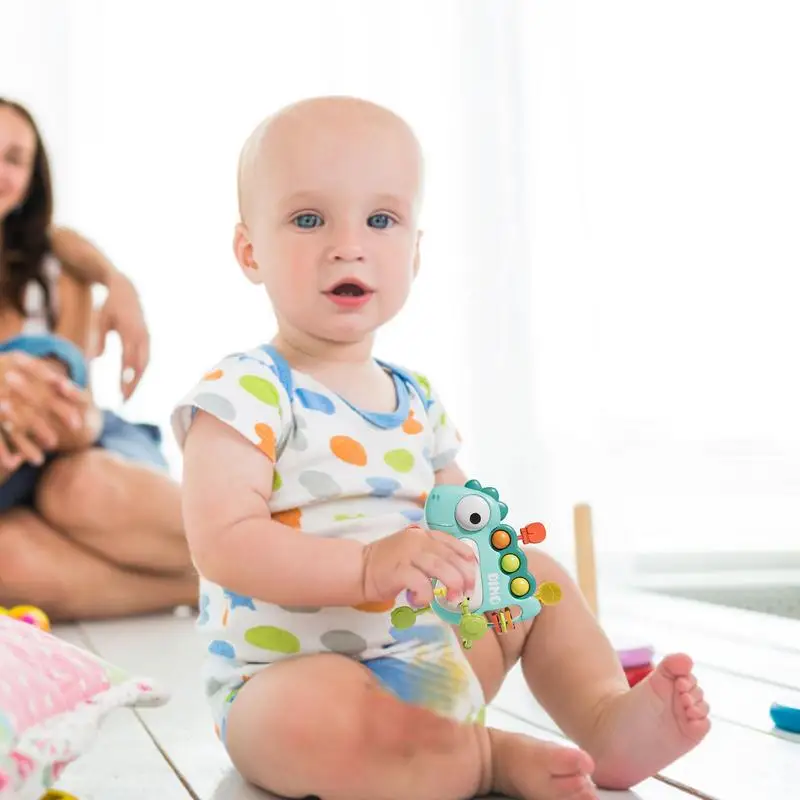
x: 317, y: 719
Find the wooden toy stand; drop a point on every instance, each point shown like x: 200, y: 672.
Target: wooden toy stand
x: 636, y: 658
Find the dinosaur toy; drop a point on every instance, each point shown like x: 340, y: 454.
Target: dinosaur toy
x: 474, y: 514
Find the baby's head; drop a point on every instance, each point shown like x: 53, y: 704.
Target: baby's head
x: 329, y: 198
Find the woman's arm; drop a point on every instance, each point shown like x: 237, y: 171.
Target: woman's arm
x: 122, y: 311
x: 82, y: 259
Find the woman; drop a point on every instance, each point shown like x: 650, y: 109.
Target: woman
x: 90, y: 523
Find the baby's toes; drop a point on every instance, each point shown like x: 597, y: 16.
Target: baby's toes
x: 691, y: 697
x: 574, y: 787
x: 697, y: 710
x: 685, y: 683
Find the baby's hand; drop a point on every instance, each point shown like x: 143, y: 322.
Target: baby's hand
x: 410, y: 559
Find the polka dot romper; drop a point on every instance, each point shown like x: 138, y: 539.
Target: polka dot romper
x: 339, y: 472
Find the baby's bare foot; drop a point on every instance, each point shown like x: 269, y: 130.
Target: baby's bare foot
x: 652, y: 725
x: 528, y: 769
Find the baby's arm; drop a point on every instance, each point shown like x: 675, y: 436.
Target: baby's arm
x: 227, y: 483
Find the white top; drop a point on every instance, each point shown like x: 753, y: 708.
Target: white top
x: 340, y: 472
x: 33, y: 298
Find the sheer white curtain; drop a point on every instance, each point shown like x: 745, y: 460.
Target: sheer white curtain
x: 608, y: 285
x: 663, y: 170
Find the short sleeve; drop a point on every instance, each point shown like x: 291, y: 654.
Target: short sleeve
x: 244, y: 391
x: 446, y: 438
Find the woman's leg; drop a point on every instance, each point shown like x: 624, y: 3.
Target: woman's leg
x: 126, y: 512
x: 41, y: 567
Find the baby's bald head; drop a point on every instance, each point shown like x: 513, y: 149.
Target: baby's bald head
x: 320, y: 133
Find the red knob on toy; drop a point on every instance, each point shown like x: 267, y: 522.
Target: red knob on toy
x: 532, y: 533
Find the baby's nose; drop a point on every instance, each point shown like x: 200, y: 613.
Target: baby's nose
x: 349, y: 251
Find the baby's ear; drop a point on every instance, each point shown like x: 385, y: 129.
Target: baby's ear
x: 243, y: 250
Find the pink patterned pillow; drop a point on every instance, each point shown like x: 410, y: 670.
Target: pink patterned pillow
x: 53, y: 698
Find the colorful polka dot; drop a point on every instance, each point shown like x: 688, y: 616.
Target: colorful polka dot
x: 314, y: 401
x: 268, y: 637
x: 319, y: 484
x: 220, y: 648
x: 237, y: 600
x: 383, y: 487
x: 425, y: 634
x: 266, y: 441
x: 261, y: 389
x: 411, y: 425
x: 290, y: 517
x: 214, y: 375
x: 424, y: 383
x: 375, y: 607
x: 277, y: 481
x: 216, y: 404
x: 400, y: 460
x: 348, y: 450
x: 344, y: 642
x: 413, y: 514
x: 345, y: 517
x: 202, y: 617
x: 302, y: 609
x: 299, y: 441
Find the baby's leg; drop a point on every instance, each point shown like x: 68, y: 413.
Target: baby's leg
x: 322, y: 725
x: 574, y: 672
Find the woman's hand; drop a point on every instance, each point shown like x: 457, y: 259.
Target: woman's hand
x: 122, y: 312
x: 38, y: 403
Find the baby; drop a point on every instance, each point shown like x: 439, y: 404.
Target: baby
x: 307, y: 463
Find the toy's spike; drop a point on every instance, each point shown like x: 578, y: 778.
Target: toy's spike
x: 503, y: 510
x: 492, y: 492
x: 472, y: 484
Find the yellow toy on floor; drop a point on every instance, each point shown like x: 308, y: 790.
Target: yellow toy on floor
x: 30, y: 614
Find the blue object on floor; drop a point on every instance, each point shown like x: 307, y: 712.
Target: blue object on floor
x: 785, y: 717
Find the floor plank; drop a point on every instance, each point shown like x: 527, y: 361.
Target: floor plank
x: 183, y: 728
x: 743, y: 659
x: 123, y: 763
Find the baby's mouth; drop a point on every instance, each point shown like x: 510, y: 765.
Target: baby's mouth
x: 348, y: 290
x: 349, y: 287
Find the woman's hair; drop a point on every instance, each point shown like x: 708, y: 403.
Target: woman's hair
x: 26, y: 230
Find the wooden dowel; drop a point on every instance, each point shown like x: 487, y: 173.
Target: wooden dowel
x: 584, y: 555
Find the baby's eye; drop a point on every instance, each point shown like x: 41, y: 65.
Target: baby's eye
x: 307, y: 220
x: 380, y: 221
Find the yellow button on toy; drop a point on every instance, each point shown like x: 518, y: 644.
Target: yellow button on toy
x: 54, y: 794
x: 509, y: 562
x: 519, y: 587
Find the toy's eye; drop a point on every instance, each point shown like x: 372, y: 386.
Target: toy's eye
x: 472, y: 512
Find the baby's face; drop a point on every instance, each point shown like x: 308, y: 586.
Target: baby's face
x: 332, y: 223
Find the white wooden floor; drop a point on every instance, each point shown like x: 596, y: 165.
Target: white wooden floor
x: 744, y: 660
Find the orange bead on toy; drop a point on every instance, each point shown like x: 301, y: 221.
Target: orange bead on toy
x: 31, y: 615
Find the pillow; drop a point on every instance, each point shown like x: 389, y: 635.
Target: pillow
x: 53, y: 699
